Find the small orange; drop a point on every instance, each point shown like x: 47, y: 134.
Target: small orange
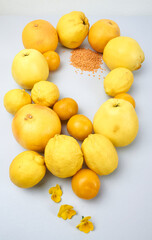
x: 126, y: 97
x: 40, y: 35
x: 85, y: 184
x: 53, y: 60
x: 79, y: 126
x: 101, y: 32
x: 65, y: 108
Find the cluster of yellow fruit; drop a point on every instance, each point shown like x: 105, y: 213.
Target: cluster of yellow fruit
x: 37, y: 127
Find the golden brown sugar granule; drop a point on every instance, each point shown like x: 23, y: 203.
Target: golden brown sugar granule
x: 86, y: 60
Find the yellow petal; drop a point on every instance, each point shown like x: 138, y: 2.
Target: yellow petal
x: 71, y: 213
x: 80, y: 224
x: 56, y: 198
x: 85, y: 225
x: 85, y: 219
x: 59, y: 192
x: 61, y: 210
x: 64, y: 215
x: 84, y: 228
x: 56, y: 189
x: 56, y: 193
x: 91, y: 227
x: 66, y: 211
x: 51, y: 190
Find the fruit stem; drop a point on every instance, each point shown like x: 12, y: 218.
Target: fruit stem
x: 116, y: 105
x: 26, y: 54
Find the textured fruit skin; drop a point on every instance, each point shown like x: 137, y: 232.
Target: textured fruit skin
x: 123, y: 52
x: 72, y: 29
x: 63, y: 156
x: 85, y: 184
x: 33, y: 125
x: 79, y: 126
x: 45, y: 93
x: 27, y: 169
x: 40, y: 35
x: 15, y: 99
x: 101, y: 32
x: 127, y: 97
x: 53, y: 60
x: 99, y: 153
x: 66, y: 108
x: 29, y: 67
x: 117, y: 120
x: 118, y: 80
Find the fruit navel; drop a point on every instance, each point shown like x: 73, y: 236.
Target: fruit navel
x: 28, y: 116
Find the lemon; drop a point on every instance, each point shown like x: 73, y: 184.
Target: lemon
x: 118, y: 81
x: 99, y: 153
x: 63, y: 156
x: 27, y: 169
x: 45, y: 93
x: 15, y: 99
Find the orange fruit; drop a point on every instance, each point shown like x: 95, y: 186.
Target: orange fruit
x: 65, y: 108
x: 85, y: 184
x: 79, y: 126
x: 126, y: 97
x: 53, y: 60
x: 40, y: 35
x: 101, y: 32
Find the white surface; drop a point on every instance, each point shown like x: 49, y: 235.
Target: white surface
x: 123, y: 208
x: 93, y: 7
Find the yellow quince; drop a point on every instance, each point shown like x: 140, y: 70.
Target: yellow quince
x: 72, y: 29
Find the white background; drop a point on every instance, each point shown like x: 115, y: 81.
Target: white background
x: 92, y: 7
x: 123, y: 208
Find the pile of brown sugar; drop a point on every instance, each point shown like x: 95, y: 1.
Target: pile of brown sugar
x: 86, y: 60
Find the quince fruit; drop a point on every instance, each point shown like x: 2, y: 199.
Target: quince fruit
x: 117, y: 120
x: 123, y: 52
x: 29, y: 67
x: 72, y: 29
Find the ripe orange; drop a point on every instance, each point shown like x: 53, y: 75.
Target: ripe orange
x: 126, y: 97
x: 101, y: 32
x: 40, y: 35
x: 65, y: 108
x: 53, y: 60
x: 86, y: 184
x: 79, y: 126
